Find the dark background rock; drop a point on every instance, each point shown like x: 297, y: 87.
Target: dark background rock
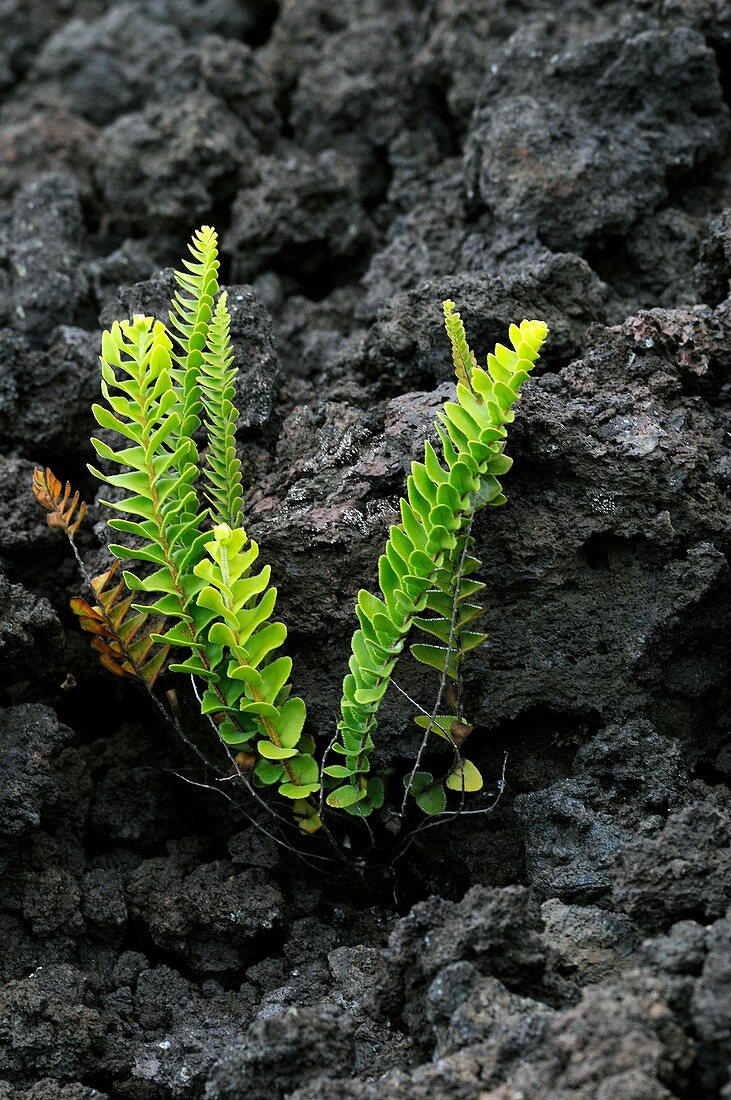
x: 603, y: 125
x: 361, y: 162
x: 298, y: 217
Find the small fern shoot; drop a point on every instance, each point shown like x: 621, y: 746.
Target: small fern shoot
x: 190, y: 314
x: 65, y: 510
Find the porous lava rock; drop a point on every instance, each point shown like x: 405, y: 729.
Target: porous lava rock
x: 165, y: 936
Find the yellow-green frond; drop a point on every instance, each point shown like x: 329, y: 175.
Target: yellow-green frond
x: 424, y: 573
x: 191, y: 313
x: 462, y: 355
x: 221, y: 467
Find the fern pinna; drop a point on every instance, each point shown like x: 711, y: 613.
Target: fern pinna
x: 424, y: 573
x: 65, y: 510
x: 156, y: 385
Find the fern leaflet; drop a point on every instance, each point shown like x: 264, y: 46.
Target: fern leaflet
x: 65, y: 512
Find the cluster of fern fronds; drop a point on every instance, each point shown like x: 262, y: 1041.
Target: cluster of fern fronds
x: 194, y: 586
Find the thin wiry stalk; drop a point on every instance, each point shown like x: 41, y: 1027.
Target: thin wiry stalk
x: 423, y: 710
x: 306, y: 859
x: 443, y: 818
x: 241, y: 775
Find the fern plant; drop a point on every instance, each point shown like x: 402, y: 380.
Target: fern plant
x: 197, y: 588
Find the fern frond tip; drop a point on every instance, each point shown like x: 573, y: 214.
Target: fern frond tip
x: 462, y: 355
x: 535, y: 332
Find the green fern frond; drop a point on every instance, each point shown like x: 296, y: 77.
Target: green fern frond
x: 452, y: 612
x: 421, y: 554
x: 463, y: 357
x: 190, y: 316
x: 249, y: 686
x: 201, y: 583
x: 158, y: 505
x: 221, y: 467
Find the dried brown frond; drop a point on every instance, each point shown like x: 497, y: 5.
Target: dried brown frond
x: 65, y: 512
x: 122, y: 635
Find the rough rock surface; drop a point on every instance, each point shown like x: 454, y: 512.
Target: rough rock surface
x: 30, y: 735
x: 363, y: 161
x: 170, y: 163
x: 31, y: 637
x: 578, y: 142
x: 297, y: 216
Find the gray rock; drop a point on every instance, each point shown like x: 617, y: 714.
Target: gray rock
x: 592, y: 944
x: 24, y: 529
x: 186, y: 1029
x: 211, y: 916
x: 354, y: 971
x: 600, y: 123
x: 282, y: 1052
x: 101, y: 69
x: 48, y: 140
x: 620, y: 1040
x: 433, y: 232
x: 575, y: 828
x: 481, y: 1011
x: 497, y: 930
x: 711, y: 1006
x: 49, y: 1089
x: 30, y: 736
x: 713, y: 270
x: 103, y: 904
x: 54, y: 390
x: 31, y: 637
x: 255, y: 357
x: 163, y: 168
x: 681, y: 870
x: 345, y: 69
x: 131, y: 804
x: 47, y: 1026
x: 681, y: 950
x: 232, y: 72
x: 51, y: 902
x: 44, y: 280
x: 297, y: 216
